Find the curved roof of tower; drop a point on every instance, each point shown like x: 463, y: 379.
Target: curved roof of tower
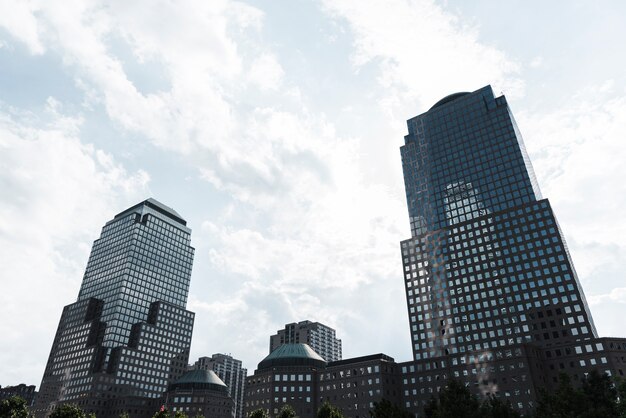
x: 157, y: 206
x: 162, y: 206
x: 292, y: 355
x: 449, y: 98
x: 199, y: 379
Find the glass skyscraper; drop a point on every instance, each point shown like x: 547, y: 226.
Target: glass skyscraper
x: 128, y: 334
x: 492, y: 294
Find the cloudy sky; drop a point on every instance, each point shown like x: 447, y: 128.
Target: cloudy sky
x: 273, y: 127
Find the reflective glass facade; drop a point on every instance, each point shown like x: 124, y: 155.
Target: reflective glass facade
x: 128, y: 334
x: 462, y: 159
x: 143, y: 255
x: 492, y: 294
x: 487, y: 263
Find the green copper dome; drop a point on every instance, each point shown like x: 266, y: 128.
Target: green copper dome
x: 199, y: 379
x: 292, y: 355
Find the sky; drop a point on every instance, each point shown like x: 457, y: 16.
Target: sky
x: 273, y: 128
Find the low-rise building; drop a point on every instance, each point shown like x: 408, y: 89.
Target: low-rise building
x: 200, y: 392
x: 287, y: 376
x: 354, y: 385
x: 26, y: 392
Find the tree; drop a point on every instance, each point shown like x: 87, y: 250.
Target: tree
x: 386, y: 409
x: 564, y: 402
x: 286, y: 411
x: 327, y: 410
x: 601, y: 396
x: 14, y: 407
x: 454, y: 400
x: 124, y: 415
x: 596, y: 398
x: 621, y: 394
x: 258, y: 413
x: 165, y: 413
x: 493, y: 407
x: 162, y: 413
x: 68, y: 410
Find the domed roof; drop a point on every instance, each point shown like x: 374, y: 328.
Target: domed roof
x: 199, y: 379
x: 292, y: 355
x: 449, y: 98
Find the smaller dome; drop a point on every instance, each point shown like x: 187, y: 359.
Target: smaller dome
x: 292, y: 355
x: 199, y: 379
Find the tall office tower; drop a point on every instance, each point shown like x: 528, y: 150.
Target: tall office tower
x: 319, y: 337
x: 488, y: 276
x: 231, y: 372
x: 128, y: 334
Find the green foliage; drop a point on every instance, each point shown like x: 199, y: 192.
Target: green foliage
x: 165, y: 413
x: 14, y: 407
x: 386, y: 409
x: 621, y: 393
x: 286, y: 411
x: 600, y: 395
x: 162, y: 413
x: 68, y: 410
x: 124, y: 415
x: 327, y: 410
x: 456, y: 401
x: 596, y: 398
x: 258, y: 413
x: 493, y: 407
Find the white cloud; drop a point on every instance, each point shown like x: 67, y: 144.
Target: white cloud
x: 424, y: 51
x: 617, y: 295
x: 577, y: 151
x: 266, y: 72
x: 55, y: 190
x: 198, y: 62
x: 19, y: 19
x: 536, y: 62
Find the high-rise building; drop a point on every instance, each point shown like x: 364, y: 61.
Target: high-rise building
x: 231, y: 372
x: 128, y: 335
x: 319, y: 337
x: 493, y: 298
x: 492, y: 295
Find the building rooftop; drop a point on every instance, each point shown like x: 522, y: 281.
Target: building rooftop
x: 157, y: 206
x: 199, y: 379
x: 449, y: 98
x: 362, y: 359
x: 292, y: 355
